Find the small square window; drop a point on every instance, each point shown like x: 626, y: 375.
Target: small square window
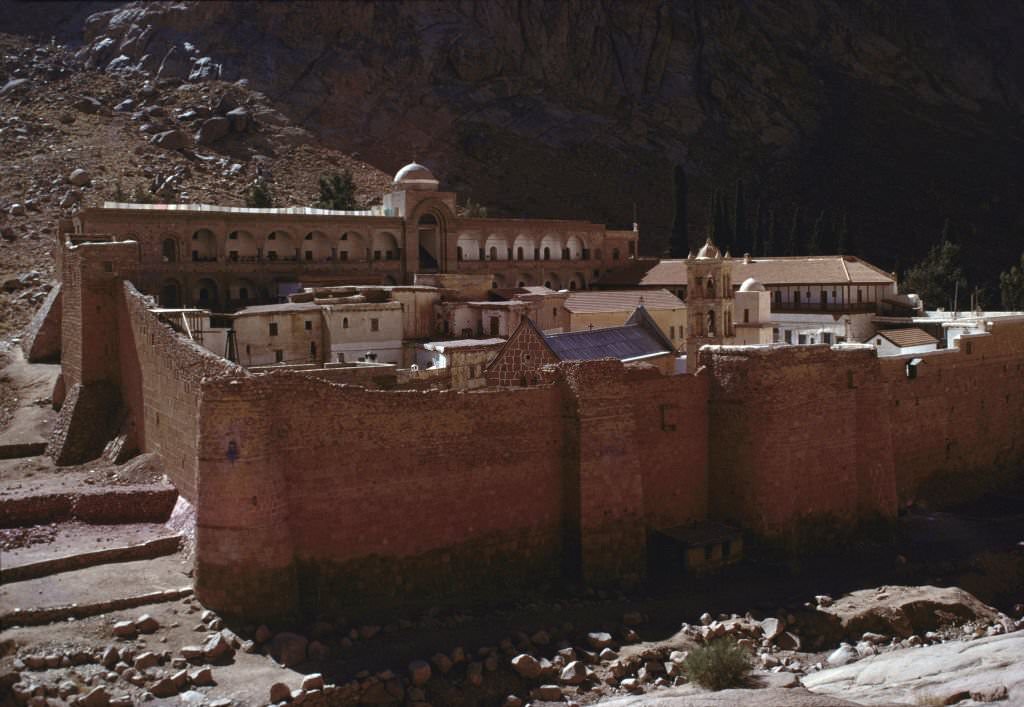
x: 374, y: 325
x: 273, y: 328
x: 309, y: 325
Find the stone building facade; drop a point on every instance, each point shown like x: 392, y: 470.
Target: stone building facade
x: 224, y: 258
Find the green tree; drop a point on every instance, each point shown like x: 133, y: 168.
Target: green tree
x: 769, y: 235
x: 1011, y: 287
x: 739, y: 220
x: 679, y: 242
x: 842, y: 237
x: 937, y: 278
x: 337, y: 192
x: 814, y: 245
x: 259, y: 195
x: 474, y: 209
x: 723, y: 236
x: 757, y: 230
x: 795, y: 244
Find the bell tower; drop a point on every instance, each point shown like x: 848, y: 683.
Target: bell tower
x: 709, y: 301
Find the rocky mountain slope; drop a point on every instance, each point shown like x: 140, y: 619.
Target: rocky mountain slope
x: 899, y: 114
x: 72, y: 137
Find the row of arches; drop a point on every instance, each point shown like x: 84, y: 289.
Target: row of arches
x: 551, y: 280
x: 279, y: 245
x: 524, y: 247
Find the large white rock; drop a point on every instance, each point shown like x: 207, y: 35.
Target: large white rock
x: 916, y: 675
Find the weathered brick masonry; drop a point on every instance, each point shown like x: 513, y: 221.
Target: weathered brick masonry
x: 309, y: 493
x: 803, y: 431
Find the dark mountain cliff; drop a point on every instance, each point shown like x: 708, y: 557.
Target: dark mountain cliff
x: 900, y: 114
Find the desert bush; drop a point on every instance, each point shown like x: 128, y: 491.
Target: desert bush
x: 718, y: 665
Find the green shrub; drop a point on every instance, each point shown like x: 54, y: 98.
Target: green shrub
x: 718, y: 665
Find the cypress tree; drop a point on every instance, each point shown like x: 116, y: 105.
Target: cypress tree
x: 679, y: 243
x: 795, y: 242
x: 757, y: 230
x: 712, y: 220
x: 724, y: 235
x: 814, y: 244
x: 739, y: 220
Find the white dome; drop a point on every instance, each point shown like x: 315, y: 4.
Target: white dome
x: 751, y: 285
x: 708, y: 251
x: 415, y: 176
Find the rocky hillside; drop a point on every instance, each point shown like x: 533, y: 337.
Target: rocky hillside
x: 900, y: 114
x: 72, y: 137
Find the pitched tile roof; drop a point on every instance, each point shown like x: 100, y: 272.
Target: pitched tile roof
x: 907, y: 337
x: 809, y: 270
x: 592, y: 301
x: 638, y: 337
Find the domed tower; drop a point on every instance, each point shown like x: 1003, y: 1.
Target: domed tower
x: 709, y: 301
x: 753, y: 310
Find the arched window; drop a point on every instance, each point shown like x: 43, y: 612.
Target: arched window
x: 711, y: 287
x: 494, y: 253
x: 519, y: 253
x: 547, y: 253
x: 711, y: 322
x: 170, y: 250
x: 344, y: 323
x: 458, y: 253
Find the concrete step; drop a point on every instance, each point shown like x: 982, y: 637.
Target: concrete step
x: 30, y: 553
x: 94, y: 590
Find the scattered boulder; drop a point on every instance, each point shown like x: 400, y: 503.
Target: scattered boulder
x: 87, y: 104
x: 419, y: 672
x: 548, y: 693
x: 202, y: 677
x: 263, y: 634
x: 14, y: 85
x: 169, y: 139
x: 124, y: 629
x: 527, y: 666
x: 574, y: 673
x: 239, y: 118
x: 279, y: 692
x: 217, y: 648
x: 146, y: 660
x: 842, y: 655
x: 289, y: 649
x: 212, y: 130
x: 164, y: 687
x: 599, y: 640
x: 313, y: 681
x: 146, y: 623
x: 442, y: 662
x: 97, y: 697
x: 771, y: 628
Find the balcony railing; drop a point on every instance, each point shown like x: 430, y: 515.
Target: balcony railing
x: 830, y: 307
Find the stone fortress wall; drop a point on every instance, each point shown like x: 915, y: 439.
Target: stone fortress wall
x: 308, y: 492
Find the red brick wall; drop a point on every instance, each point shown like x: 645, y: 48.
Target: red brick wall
x: 161, y: 374
x: 387, y: 493
x: 673, y: 462
x: 809, y: 430
x: 963, y: 414
x: 790, y: 438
